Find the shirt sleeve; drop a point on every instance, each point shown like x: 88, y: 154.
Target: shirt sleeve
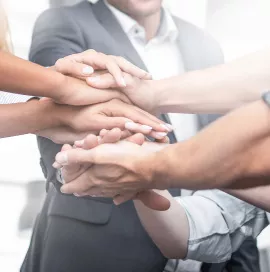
x: 11, y: 98
x: 219, y: 223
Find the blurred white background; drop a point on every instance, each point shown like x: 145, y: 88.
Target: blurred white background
x: 241, y: 26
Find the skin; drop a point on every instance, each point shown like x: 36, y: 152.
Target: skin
x: 146, y: 13
x: 58, y: 122
x: 175, y: 243
x: 244, y: 156
x: 225, y: 87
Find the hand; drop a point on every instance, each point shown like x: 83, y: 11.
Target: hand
x: 84, y: 64
x: 139, y: 91
x: 115, y: 170
x: 71, y: 172
x: 76, y: 122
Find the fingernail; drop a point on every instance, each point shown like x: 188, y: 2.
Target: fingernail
x: 56, y: 165
x: 130, y: 125
x: 146, y: 127
x: 62, y: 158
x: 79, y: 143
x: 88, y: 70
x: 62, y: 189
x: 77, y: 195
x: 123, y: 82
x: 161, y: 134
x: 168, y: 127
x: 93, y: 79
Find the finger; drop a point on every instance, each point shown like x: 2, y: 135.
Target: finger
x: 71, y: 66
x: 120, y: 199
x: 104, y: 62
x: 158, y: 135
x: 103, y: 132
x: 78, y: 186
x: 131, y: 69
x: 104, y: 81
x: 68, y: 172
x: 125, y: 134
x: 136, y: 139
x: 64, y: 148
x: 165, y: 140
x: 90, y: 142
x: 75, y: 156
x: 141, y: 117
x: 153, y: 200
x: 112, y: 136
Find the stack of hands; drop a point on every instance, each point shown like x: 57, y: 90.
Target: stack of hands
x: 104, y: 97
x: 103, y: 92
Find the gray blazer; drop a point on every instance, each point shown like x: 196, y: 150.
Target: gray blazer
x: 68, y: 30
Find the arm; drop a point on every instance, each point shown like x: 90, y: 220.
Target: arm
x: 173, y: 224
x: 214, y: 90
x: 258, y: 196
x: 218, y: 89
x: 188, y: 230
x: 29, y: 117
x: 232, y: 152
x: 20, y: 76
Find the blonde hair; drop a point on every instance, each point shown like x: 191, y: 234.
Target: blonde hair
x: 4, y: 31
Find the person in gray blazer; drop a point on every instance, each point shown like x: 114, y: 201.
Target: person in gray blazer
x: 91, y: 234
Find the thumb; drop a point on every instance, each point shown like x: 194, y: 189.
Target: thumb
x: 150, y: 199
x: 137, y: 138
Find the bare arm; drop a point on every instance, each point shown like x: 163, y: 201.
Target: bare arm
x: 168, y: 229
x: 20, y: 76
x: 233, y: 152
x: 258, y: 196
x: 217, y: 89
x: 29, y: 117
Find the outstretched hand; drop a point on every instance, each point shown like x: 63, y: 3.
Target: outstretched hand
x: 78, y: 180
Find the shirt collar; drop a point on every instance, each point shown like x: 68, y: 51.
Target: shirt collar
x: 167, y: 30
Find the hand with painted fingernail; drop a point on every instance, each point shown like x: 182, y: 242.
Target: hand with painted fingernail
x: 82, y: 65
x: 76, y: 122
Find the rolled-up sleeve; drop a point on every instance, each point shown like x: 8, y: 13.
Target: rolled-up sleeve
x: 219, y: 223
x: 11, y: 98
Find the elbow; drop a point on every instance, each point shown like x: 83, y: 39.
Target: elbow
x: 174, y: 252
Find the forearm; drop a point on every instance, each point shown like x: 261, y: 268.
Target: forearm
x: 224, y: 152
x: 168, y: 229
x: 29, y: 117
x: 20, y: 76
x: 218, y: 89
x: 258, y: 196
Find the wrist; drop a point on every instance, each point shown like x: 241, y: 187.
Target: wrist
x: 161, y: 97
x: 154, y: 171
x: 52, y: 114
x: 60, y: 93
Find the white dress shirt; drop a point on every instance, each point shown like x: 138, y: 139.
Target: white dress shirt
x: 10, y: 98
x: 162, y: 57
x: 218, y: 222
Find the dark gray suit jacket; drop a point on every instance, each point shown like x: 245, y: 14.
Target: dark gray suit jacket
x: 61, y: 32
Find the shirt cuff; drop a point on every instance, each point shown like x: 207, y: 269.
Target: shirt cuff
x: 209, y: 239
x: 11, y: 98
